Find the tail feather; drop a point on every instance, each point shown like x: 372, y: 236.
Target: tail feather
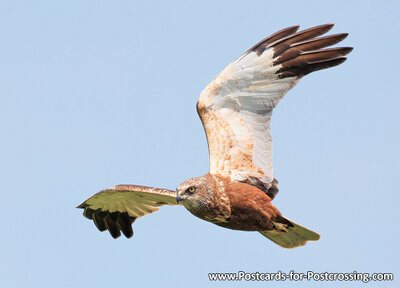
x: 288, y: 236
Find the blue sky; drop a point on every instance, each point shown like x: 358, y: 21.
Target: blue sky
x: 98, y: 93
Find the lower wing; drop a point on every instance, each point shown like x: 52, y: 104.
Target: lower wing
x: 116, y: 208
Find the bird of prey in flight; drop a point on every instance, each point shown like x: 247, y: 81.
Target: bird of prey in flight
x: 235, y: 109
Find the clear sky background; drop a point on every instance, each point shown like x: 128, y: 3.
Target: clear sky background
x: 98, y: 93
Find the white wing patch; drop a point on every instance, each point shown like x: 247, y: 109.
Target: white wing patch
x: 237, y: 107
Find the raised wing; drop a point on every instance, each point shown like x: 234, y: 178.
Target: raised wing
x: 116, y: 208
x: 236, y: 107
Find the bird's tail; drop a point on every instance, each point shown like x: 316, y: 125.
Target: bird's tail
x: 288, y: 234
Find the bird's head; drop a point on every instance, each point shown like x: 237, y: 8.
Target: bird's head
x: 194, y: 192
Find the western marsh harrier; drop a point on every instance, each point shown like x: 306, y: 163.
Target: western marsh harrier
x: 235, y: 109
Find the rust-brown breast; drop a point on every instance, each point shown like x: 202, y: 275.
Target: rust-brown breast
x: 250, y: 208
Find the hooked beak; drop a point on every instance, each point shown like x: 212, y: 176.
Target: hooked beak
x: 178, y: 197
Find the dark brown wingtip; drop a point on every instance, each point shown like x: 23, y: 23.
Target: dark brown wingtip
x: 327, y: 26
x: 260, y: 47
x: 98, y: 219
x: 112, y: 224
x: 125, y: 223
x: 302, y: 70
x: 321, y: 42
x: 280, y: 46
x: 322, y: 29
x: 294, y: 58
x: 347, y: 50
x: 326, y: 64
x: 302, y: 35
x: 281, y: 34
x: 300, y: 54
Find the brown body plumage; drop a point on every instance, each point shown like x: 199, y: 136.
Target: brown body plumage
x: 230, y: 204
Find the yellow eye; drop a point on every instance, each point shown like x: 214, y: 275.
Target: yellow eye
x: 191, y: 189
